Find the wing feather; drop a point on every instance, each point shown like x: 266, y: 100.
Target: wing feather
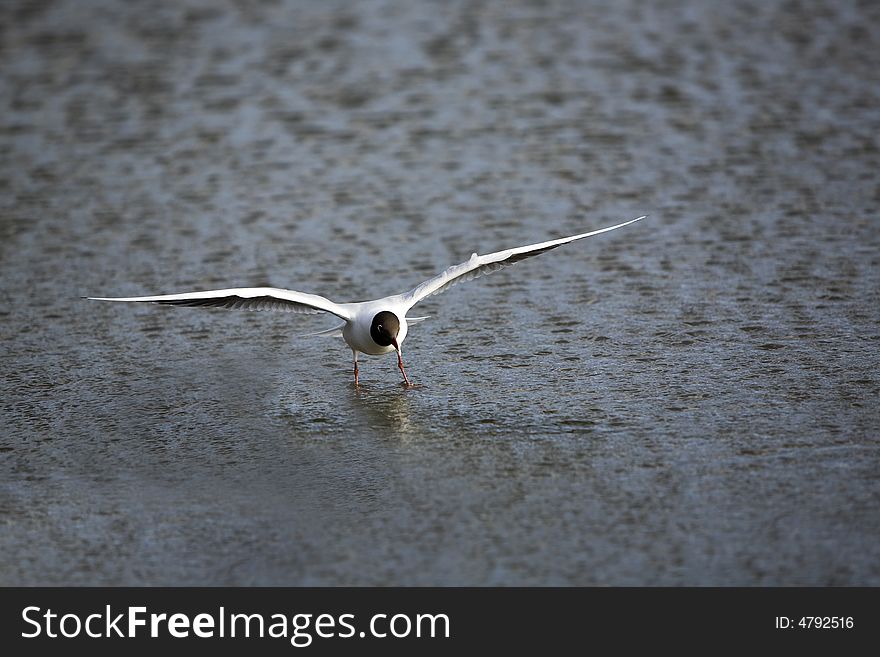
x: 246, y: 298
x: 479, y: 265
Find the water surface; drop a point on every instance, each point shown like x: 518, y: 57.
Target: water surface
x: 691, y: 400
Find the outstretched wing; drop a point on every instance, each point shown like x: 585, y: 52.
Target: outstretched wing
x: 480, y: 265
x: 246, y: 298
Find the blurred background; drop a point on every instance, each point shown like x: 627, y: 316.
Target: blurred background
x: 691, y: 400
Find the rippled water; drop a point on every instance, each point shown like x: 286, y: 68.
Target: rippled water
x: 689, y: 400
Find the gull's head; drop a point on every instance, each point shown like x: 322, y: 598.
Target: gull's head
x: 384, y: 329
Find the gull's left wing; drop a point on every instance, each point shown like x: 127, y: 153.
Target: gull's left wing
x: 480, y: 265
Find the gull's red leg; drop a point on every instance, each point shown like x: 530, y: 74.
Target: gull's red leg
x: 402, y: 371
x: 355, y: 368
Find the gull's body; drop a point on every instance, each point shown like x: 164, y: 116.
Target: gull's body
x: 357, y: 332
x: 370, y: 327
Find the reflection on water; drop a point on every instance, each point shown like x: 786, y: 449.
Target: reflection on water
x: 379, y: 408
x: 387, y: 412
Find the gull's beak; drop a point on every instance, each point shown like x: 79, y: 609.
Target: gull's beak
x: 396, y: 346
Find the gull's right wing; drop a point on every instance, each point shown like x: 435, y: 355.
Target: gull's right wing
x: 246, y: 298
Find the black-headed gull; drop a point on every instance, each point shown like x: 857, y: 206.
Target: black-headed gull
x: 371, y: 327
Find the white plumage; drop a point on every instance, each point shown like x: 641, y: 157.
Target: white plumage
x: 371, y: 327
